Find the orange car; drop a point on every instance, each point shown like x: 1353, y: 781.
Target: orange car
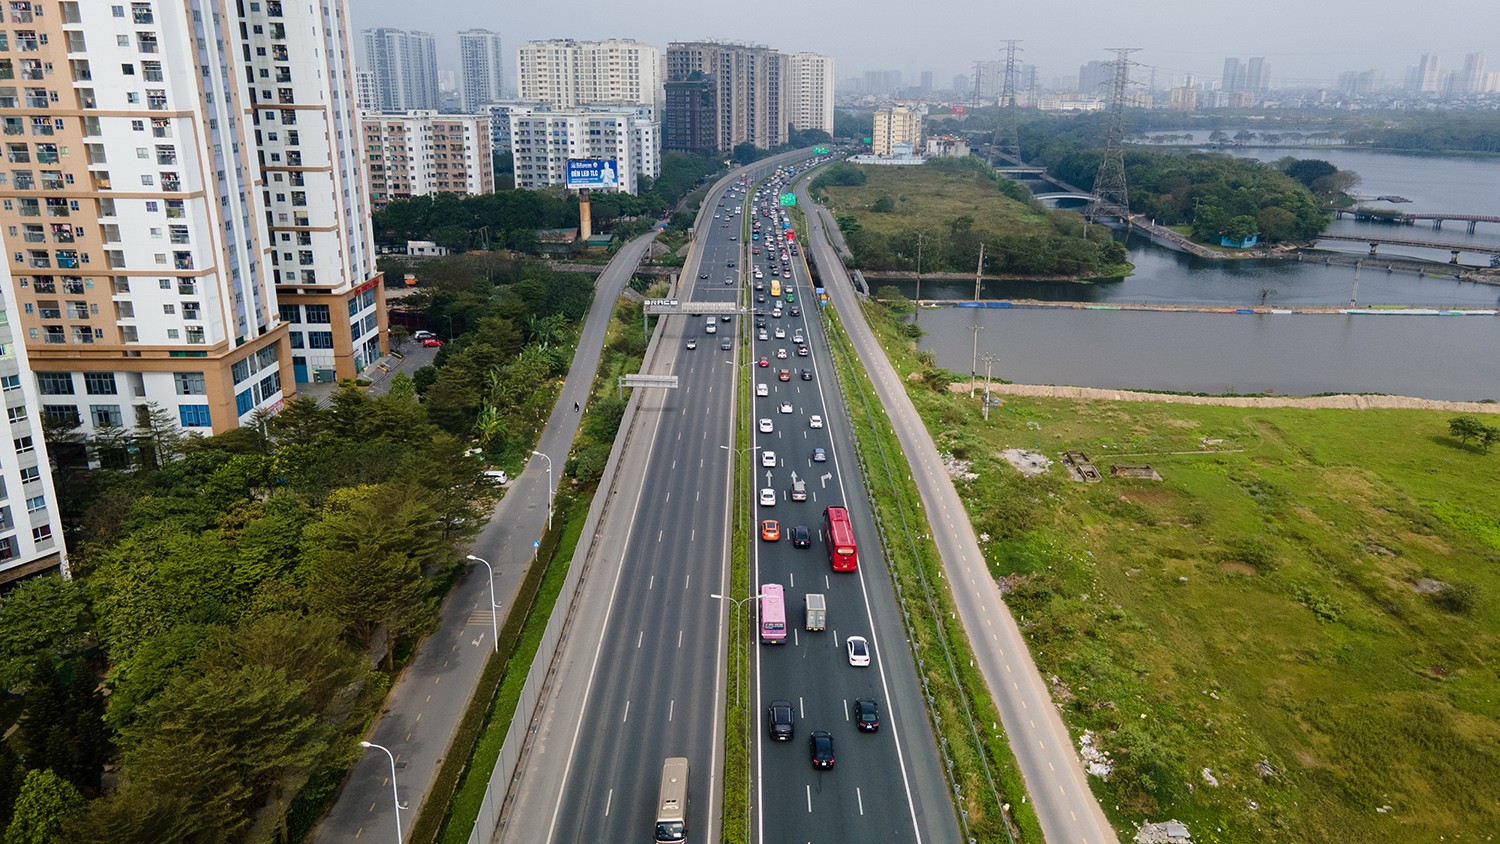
x: 770, y: 530
x: 784, y: 375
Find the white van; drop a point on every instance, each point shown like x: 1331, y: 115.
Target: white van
x: 712, y: 326
x: 763, y: 390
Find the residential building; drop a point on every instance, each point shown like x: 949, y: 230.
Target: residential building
x: 898, y: 130
x: 405, y: 68
x: 690, y: 120
x: 423, y: 152
x: 568, y: 74
x: 1183, y: 98
x: 366, y: 95
x: 1095, y: 78
x: 31, y: 537
x: 1472, y: 78
x: 749, y: 91
x: 1425, y: 77
x: 543, y: 141
x: 500, y: 114
x: 1253, y: 75
x: 482, y: 64
x: 158, y: 199
x: 811, y: 92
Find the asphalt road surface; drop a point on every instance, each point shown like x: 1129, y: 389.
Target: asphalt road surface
x: 1044, y: 750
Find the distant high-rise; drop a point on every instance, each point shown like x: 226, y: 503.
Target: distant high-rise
x: 810, y: 90
x: 750, y: 96
x: 1425, y: 77
x: 962, y: 86
x: 1094, y: 76
x: 1234, y: 76
x: 482, y: 67
x: 568, y: 73
x: 925, y: 87
x: 1253, y: 75
x: 405, y: 68
x: 897, y: 130
x: 1471, y: 78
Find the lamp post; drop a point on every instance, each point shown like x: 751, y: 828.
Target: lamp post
x: 549, y: 486
x: 395, y: 798
x: 494, y: 607
x: 739, y: 686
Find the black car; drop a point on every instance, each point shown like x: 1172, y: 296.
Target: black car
x: 794, y: 311
x: 807, y: 375
x: 780, y: 720
x: 820, y: 745
x: 728, y: 263
x: 760, y: 297
x: 760, y: 323
x: 866, y: 714
x: 703, y: 275
x: 801, y: 537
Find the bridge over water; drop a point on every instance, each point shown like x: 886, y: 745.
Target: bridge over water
x: 1375, y: 242
x: 1410, y: 218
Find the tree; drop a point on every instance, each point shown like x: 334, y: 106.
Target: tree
x: 140, y: 815
x: 745, y: 153
x: 41, y: 730
x: 45, y: 805
x: 40, y: 614
x: 157, y: 434
x: 1466, y: 428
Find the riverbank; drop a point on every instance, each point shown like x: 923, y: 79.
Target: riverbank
x: 1382, y: 310
x: 1336, y: 402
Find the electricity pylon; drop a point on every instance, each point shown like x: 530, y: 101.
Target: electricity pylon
x: 1110, y: 191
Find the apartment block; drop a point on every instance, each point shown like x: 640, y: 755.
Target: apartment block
x: 405, y: 68
x: 811, y: 92
x: 482, y: 67
x: 750, y: 90
x: 543, y: 141
x: 423, y: 152
x: 898, y: 131
x: 568, y: 74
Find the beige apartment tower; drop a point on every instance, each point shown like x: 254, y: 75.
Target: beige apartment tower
x: 896, y: 127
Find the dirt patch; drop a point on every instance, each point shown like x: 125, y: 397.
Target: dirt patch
x: 1028, y: 463
x: 1149, y: 497
x: 1238, y: 568
x: 1428, y: 586
x: 1346, y: 402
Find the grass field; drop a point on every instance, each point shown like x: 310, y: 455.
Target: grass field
x: 1256, y: 612
x: 929, y: 198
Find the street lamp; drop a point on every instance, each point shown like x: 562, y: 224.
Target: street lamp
x: 738, y: 602
x: 549, y: 486
x: 494, y: 607
x: 395, y: 798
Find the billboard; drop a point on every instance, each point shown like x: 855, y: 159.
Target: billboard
x: 592, y: 173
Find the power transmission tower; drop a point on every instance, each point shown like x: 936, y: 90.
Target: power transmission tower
x: 1006, y: 145
x: 1110, y: 193
x: 978, y: 76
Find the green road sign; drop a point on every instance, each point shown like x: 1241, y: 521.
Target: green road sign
x: 869, y: 140
x: 789, y: 199
x: 820, y: 150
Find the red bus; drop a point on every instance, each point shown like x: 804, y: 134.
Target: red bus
x: 772, y: 614
x: 842, y: 554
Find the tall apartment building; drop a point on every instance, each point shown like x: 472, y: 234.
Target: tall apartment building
x: 164, y: 218
x: 423, y: 152
x: 31, y: 538
x: 1253, y: 75
x: 543, y: 141
x: 1425, y: 76
x: 749, y: 90
x: 567, y: 73
x: 405, y: 68
x: 366, y: 95
x: 811, y: 92
x: 898, y: 129
x: 690, y: 118
x: 482, y: 66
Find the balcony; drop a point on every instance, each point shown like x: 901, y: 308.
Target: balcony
x: 166, y: 157
x: 78, y: 310
x: 34, y: 237
x: 24, y: 181
x: 142, y: 14
x: 83, y: 334
x: 26, y: 42
x: 14, y: 126
x: 171, y: 184
x: 182, y: 260
x: 54, y: 334
x: 67, y: 259
x: 161, y: 128
x: 49, y: 313
x: 44, y: 284
x: 53, y: 182
x: 175, y: 210
x: 73, y: 285
x: 39, y: 262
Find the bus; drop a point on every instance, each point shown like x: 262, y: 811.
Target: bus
x: 671, y: 801
x: 772, y: 614
x: 775, y: 289
x: 842, y: 553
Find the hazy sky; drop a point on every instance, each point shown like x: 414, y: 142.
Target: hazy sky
x: 1304, y: 41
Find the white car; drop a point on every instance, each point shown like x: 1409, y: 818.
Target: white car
x: 786, y: 407
x: 768, y: 459
x: 762, y: 390
x: 768, y: 499
x: 859, y: 649
x: 765, y: 426
x: 781, y: 354
x: 815, y: 422
x: 780, y: 333
x: 761, y: 335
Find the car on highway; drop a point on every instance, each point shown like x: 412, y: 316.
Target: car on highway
x: 726, y: 344
x: 776, y: 312
x: 820, y: 745
x: 760, y: 298
x: 762, y: 389
x: 703, y: 275
x: 794, y: 311
x: 781, y: 354
x: 729, y: 263
x: 820, y: 456
x: 729, y: 281
x: 762, y: 335
x: 692, y: 342
x: 802, y: 352
x: 768, y: 498
x: 807, y: 375
x: 783, y: 375
x: 780, y: 333
x: 764, y: 361
x: 725, y: 317
x: 786, y: 407
x: 790, y: 297
x: 765, y: 426
x: 768, y: 459
x: 814, y: 421
x: 859, y: 651
x: 866, y: 714
x: 759, y: 285
x: 781, y: 720
x: 801, y: 537
x: 770, y: 530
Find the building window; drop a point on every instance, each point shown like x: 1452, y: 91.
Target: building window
x: 106, y: 415
x: 296, y: 338
x: 37, y: 504
x: 270, y: 385
x: 63, y: 414
x: 243, y: 402
x: 318, y: 314
x: 291, y: 313
x: 42, y: 533
x: 30, y: 474
x: 194, y: 416
x: 190, y: 384
x: 24, y: 444
x: 10, y: 382
x: 99, y: 383
x: 320, y: 339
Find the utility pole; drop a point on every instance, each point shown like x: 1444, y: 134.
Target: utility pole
x: 1007, y: 144
x: 1110, y: 192
x: 978, y: 76
x: 974, y: 361
x: 1354, y: 294
x: 989, y: 361
x: 979, y: 272
x: 920, y: 236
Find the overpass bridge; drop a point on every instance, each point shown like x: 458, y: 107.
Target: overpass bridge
x: 1376, y: 242
x: 1044, y: 197
x: 1410, y: 218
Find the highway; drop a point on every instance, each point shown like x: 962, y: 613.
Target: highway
x: 1043, y: 747
x: 644, y: 677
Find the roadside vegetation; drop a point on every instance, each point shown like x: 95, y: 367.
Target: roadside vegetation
x: 1289, y: 638
x: 949, y: 207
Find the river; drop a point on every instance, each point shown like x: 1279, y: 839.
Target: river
x: 1451, y: 358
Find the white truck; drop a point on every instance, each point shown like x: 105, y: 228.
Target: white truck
x: 817, y: 611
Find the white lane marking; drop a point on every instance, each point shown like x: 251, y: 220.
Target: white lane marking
x: 609, y: 801
x: 640, y: 637
x: 626, y: 716
x: 671, y: 707
x: 857, y: 795
x: 688, y: 581
x: 809, y: 799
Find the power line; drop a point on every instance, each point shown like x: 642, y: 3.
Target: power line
x: 1110, y: 191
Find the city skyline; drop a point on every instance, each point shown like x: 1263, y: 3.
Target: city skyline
x: 947, y: 40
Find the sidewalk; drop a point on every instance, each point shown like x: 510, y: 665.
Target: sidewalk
x: 424, y: 708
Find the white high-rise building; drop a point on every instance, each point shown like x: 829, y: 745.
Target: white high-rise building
x: 405, y: 68
x: 423, y: 152
x: 482, y: 64
x: 568, y: 73
x: 1425, y: 76
x: 543, y: 141
x: 810, y: 92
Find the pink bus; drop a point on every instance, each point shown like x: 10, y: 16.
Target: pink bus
x: 772, y: 614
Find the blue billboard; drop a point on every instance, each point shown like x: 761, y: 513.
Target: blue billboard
x: 592, y: 173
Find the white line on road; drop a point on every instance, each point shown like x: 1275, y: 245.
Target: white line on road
x: 679, y: 647
x: 686, y: 582
x: 626, y: 716
x: 809, y: 799
x: 609, y: 801
x: 671, y: 707
x: 640, y: 637
x: 861, y: 798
